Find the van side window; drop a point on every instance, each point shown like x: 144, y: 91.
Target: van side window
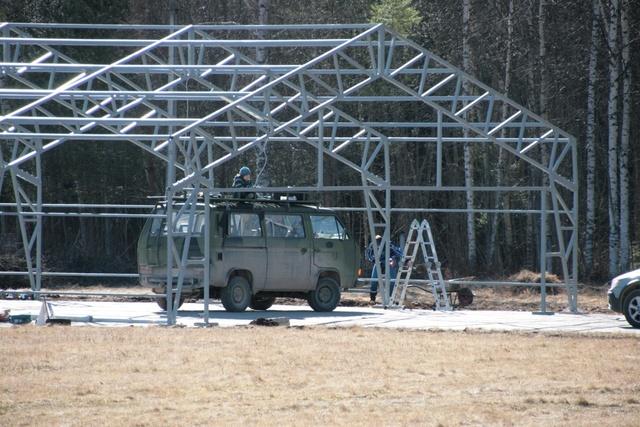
x: 181, y: 225
x: 327, y: 227
x: 287, y: 226
x: 244, y: 225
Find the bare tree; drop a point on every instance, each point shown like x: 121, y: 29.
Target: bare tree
x: 612, y: 111
x: 493, y: 252
x: 590, y: 140
x: 468, y: 150
x: 624, y: 137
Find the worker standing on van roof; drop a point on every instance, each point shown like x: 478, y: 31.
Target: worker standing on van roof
x: 243, y: 180
x: 396, y: 257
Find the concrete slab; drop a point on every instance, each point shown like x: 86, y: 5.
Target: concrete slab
x: 109, y: 314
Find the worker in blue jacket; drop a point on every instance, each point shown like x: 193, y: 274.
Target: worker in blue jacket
x: 396, y: 257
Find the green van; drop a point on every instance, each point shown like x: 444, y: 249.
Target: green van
x: 258, y: 250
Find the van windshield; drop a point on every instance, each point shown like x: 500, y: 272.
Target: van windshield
x: 327, y: 227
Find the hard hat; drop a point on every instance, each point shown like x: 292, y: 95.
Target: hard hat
x: 245, y: 171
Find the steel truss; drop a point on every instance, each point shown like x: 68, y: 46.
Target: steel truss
x: 195, y: 97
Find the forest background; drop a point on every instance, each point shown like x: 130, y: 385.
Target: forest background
x: 573, y: 62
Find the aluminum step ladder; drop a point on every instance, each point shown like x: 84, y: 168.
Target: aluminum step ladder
x: 420, y: 237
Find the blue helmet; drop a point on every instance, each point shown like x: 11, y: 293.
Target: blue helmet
x: 244, y: 171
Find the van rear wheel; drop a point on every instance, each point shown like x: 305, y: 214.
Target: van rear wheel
x: 162, y: 302
x: 326, y: 295
x: 236, y: 296
x: 261, y: 303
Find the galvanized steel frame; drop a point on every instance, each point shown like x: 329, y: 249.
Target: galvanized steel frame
x: 49, y: 97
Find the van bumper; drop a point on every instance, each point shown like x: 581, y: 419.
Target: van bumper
x: 156, y: 277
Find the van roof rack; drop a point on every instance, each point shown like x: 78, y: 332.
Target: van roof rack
x: 279, y: 198
x: 267, y: 201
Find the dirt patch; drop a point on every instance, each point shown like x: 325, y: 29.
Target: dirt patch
x: 501, y: 298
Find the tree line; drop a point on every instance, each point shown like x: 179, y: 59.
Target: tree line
x: 573, y: 62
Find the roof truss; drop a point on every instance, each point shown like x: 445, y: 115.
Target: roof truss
x: 195, y: 97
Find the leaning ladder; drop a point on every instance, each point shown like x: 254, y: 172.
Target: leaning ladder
x: 415, y: 240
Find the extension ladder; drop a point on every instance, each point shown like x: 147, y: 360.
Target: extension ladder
x: 415, y: 240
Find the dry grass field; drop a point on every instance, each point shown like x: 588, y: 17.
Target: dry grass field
x: 291, y: 376
x: 279, y: 376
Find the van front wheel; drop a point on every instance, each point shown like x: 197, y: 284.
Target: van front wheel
x: 236, y: 295
x: 326, y: 295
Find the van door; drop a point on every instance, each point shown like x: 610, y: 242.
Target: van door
x: 289, y: 253
x: 156, y: 236
x: 334, y: 249
x: 244, y: 248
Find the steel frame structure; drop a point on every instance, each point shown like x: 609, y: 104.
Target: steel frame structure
x: 194, y: 97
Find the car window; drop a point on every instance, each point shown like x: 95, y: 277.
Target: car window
x: 327, y: 227
x: 285, y: 226
x: 244, y: 225
x: 180, y: 225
